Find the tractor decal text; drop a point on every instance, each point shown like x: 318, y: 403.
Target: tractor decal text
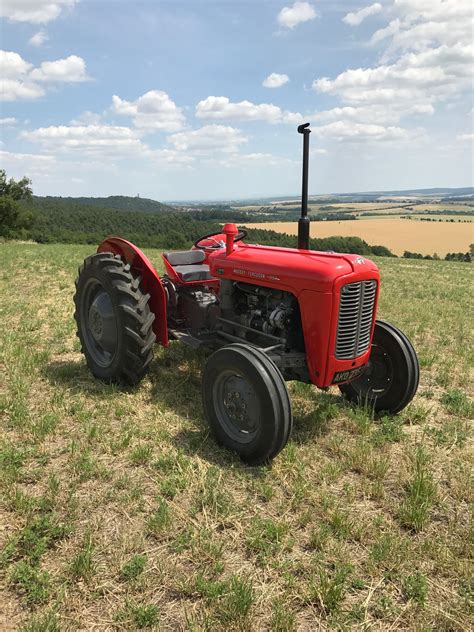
x: 255, y: 275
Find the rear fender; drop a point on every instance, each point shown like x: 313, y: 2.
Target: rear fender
x: 150, y: 281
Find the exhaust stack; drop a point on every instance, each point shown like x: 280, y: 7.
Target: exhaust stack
x: 304, y: 221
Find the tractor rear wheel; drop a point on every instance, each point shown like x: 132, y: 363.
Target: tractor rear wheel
x: 390, y: 380
x: 114, y: 321
x: 247, y: 403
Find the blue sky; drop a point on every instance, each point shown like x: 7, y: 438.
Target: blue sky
x: 201, y: 99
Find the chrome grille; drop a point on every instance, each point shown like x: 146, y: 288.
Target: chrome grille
x: 356, y: 310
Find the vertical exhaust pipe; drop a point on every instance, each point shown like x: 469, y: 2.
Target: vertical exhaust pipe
x: 304, y: 221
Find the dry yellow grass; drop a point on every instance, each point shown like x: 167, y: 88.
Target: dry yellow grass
x: 397, y: 234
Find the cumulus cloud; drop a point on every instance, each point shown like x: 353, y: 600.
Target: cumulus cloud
x: 300, y: 12
x: 357, y: 17
x: 8, y: 121
x: 34, y: 11
x: 85, y: 137
x: 71, y: 70
x: 426, y: 75
x: 465, y: 137
x: 427, y: 60
x: 154, y: 110
x: 348, y: 130
x: 21, y: 81
x: 221, y: 108
x: 275, y: 80
x: 15, y: 90
x: 12, y: 64
x: 38, y: 39
x: 208, y: 139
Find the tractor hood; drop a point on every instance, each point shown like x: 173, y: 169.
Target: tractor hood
x: 295, y: 269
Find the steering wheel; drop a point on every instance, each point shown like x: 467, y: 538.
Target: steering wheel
x: 217, y: 244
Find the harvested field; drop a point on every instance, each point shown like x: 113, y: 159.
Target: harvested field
x: 394, y: 233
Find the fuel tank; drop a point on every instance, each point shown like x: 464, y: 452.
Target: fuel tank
x: 287, y: 268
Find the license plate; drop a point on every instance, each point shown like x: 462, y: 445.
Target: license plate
x: 350, y: 374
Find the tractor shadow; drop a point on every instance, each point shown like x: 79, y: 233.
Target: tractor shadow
x: 76, y: 377
x: 175, y: 379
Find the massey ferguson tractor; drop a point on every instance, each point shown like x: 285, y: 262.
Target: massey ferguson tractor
x: 267, y: 315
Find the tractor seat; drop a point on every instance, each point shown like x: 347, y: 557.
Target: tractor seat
x: 188, y: 265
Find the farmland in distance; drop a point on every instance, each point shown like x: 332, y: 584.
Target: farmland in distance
x: 395, y: 233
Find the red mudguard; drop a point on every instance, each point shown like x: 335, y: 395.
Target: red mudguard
x: 151, y: 282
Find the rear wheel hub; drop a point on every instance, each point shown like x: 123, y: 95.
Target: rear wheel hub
x: 100, y: 324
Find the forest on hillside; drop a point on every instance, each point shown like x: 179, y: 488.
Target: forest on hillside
x: 59, y: 220
x: 90, y: 220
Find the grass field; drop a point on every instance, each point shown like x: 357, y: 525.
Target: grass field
x: 395, y: 233
x: 118, y: 511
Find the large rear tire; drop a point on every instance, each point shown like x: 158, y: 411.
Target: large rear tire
x: 391, y: 378
x: 114, y: 321
x: 246, y: 403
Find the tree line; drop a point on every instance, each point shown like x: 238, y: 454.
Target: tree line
x: 80, y: 221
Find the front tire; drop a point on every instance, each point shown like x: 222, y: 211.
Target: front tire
x: 114, y: 321
x: 391, y: 379
x: 246, y: 403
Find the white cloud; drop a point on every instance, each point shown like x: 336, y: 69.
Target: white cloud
x: 289, y: 17
x: 33, y: 11
x: 20, y: 80
x: 427, y: 60
x: 38, y: 39
x: 357, y: 17
x: 275, y: 80
x: 70, y: 70
x: 388, y: 31
x: 375, y: 113
x: 348, y: 130
x: 12, y: 64
x: 208, y: 139
x: 465, y: 137
x: 87, y: 118
x: 428, y: 75
x: 154, y: 110
x: 221, y: 108
x: 14, y: 90
x: 90, y: 137
x: 17, y: 165
x: 9, y: 121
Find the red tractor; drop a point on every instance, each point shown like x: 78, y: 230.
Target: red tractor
x: 268, y: 314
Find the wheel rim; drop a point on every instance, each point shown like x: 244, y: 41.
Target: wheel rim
x: 377, y: 378
x: 237, y: 406
x: 99, y: 323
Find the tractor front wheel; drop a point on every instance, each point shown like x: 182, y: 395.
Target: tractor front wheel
x: 247, y: 403
x: 114, y: 321
x: 390, y: 380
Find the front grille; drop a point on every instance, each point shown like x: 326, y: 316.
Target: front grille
x: 356, y: 309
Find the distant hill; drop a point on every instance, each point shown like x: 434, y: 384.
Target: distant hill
x: 118, y: 202
x: 466, y: 193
